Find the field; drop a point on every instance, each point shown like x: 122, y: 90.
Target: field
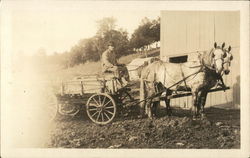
x: 221, y: 129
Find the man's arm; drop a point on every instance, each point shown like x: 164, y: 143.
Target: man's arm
x: 105, y: 60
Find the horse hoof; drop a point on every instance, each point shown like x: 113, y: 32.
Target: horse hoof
x: 151, y: 118
x: 141, y: 116
x: 203, y: 117
x: 196, y: 117
x: 169, y: 113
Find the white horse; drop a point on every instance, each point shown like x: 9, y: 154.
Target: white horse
x: 197, y: 77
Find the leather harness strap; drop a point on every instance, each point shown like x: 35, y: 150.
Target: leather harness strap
x: 183, y: 76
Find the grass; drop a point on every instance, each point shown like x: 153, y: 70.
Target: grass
x: 127, y: 59
x: 91, y: 68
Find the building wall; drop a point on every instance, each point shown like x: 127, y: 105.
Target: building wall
x: 183, y: 32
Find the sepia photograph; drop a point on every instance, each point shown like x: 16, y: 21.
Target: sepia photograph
x: 124, y: 79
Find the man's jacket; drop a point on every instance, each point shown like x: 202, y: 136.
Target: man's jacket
x: 108, y: 60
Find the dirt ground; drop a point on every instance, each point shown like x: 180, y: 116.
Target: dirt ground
x: 221, y: 130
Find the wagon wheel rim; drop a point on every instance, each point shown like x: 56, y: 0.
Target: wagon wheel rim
x: 73, y: 110
x: 101, y: 108
x: 125, y: 97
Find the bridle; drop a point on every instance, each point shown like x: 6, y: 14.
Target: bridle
x: 212, y: 61
x: 229, y: 62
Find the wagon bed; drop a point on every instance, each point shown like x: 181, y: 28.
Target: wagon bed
x: 100, y: 95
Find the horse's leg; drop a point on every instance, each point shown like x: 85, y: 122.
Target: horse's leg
x: 167, y: 102
x: 149, y: 108
x: 142, y: 97
x: 194, y: 108
x: 151, y: 102
x: 155, y: 106
x: 198, y: 104
x: 202, y: 104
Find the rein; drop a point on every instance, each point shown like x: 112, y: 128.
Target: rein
x: 155, y: 95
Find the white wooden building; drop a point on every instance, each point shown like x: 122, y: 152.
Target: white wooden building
x: 183, y: 32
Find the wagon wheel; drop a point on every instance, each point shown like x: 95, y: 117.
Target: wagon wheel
x: 66, y: 108
x: 101, y: 108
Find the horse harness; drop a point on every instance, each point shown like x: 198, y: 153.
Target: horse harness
x: 202, y: 66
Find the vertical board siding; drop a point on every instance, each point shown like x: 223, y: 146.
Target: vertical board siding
x: 206, y: 30
x: 189, y: 31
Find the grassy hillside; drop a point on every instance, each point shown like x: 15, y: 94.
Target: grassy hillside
x: 127, y: 59
x: 95, y: 67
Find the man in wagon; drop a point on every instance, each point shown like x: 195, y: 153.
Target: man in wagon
x: 110, y: 64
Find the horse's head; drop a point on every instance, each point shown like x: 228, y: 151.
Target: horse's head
x: 227, y: 61
x: 217, y: 57
x: 146, y: 63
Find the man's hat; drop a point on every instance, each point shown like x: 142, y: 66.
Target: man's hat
x: 111, y: 44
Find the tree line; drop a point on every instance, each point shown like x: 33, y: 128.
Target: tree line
x: 91, y: 49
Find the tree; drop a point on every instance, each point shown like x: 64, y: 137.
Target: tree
x: 147, y: 33
x: 155, y: 30
x: 104, y: 25
x: 107, y: 32
x: 91, y: 49
x: 120, y: 40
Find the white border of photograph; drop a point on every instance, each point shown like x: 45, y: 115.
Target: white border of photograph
x: 243, y: 7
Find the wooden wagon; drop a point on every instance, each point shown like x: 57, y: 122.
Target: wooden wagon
x: 101, y: 96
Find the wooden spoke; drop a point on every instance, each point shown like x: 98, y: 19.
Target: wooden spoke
x: 92, y: 104
x: 107, y: 103
x: 94, y: 114
x: 109, y: 112
x: 104, y: 100
x: 98, y: 116
x: 96, y: 102
x: 99, y: 97
x: 107, y: 116
x: 102, y: 117
x: 109, y: 107
x: 94, y: 109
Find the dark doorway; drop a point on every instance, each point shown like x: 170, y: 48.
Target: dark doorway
x: 178, y: 59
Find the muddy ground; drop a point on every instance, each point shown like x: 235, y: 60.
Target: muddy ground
x: 221, y: 130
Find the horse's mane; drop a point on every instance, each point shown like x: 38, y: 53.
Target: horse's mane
x: 206, y: 57
x: 145, y: 64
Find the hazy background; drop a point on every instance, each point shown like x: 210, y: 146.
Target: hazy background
x: 56, y: 27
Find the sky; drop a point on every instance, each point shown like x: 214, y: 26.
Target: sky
x: 56, y: 27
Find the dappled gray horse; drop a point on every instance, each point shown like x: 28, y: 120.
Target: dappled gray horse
x: 197, y: 77
x: 226, y: 70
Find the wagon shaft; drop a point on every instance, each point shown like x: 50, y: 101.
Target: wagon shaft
x: 189, y: 93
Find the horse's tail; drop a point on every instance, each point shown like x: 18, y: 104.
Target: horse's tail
x: 142, y: 96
